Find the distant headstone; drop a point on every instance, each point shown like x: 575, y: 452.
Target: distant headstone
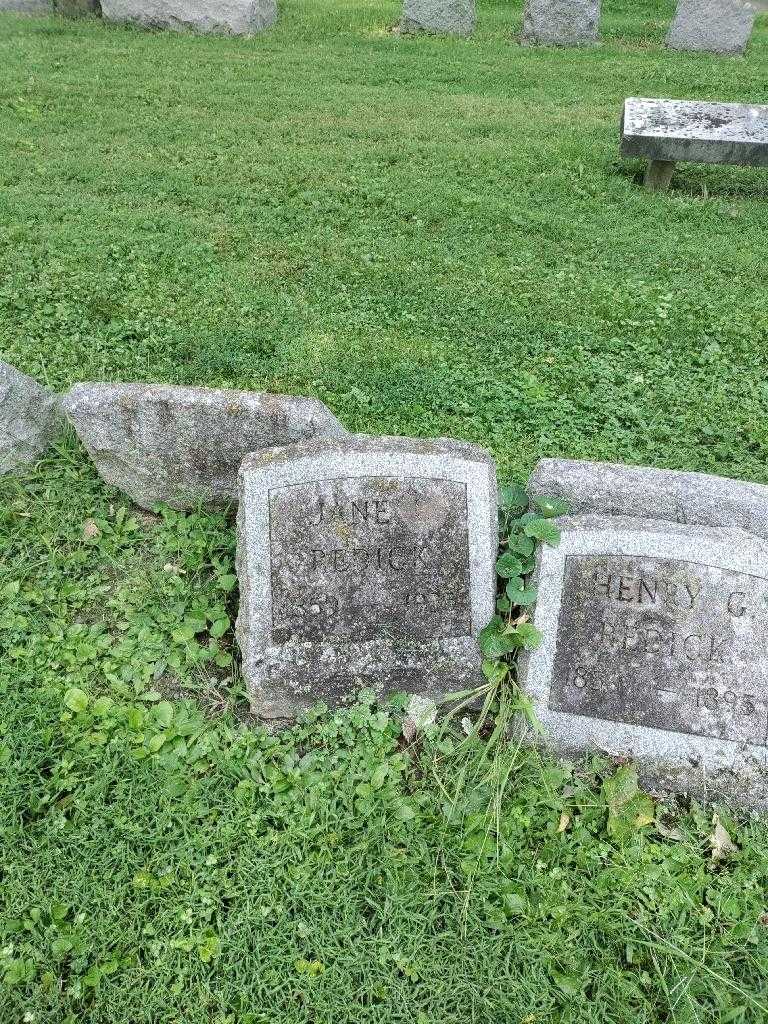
x: 29, y: 418
x: 230, y: 17
x: 640, y: 491
x: 364, y: 562
x: 655, y: 648
x: 664, y: 131
x: 26, y: 6
x: 453, y: 17
x: 76, y: 8
x: 183, y: 446
x: 561, y: 22
x: 715, y: 26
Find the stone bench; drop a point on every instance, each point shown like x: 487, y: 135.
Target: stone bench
x: 665, y: 131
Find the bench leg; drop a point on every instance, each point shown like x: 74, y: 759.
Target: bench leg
x: 658, y: 175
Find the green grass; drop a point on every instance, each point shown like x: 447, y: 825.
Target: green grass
x: 434, y: 237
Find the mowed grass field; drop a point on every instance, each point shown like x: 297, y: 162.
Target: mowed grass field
x: 435, y: 237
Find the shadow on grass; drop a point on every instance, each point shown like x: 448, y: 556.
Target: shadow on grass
x: 701, y: 181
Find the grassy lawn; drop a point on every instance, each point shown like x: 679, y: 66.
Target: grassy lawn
x: 435, y: 237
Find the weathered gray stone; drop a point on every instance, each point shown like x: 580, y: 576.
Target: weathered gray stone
x: 29, y: 418
x: 655, y: 648
x: 183, y: 446
x: 639, y: 491
x: 715, y: 26
x: 364, y: 562
x: 76, y: 8
x: 27, y: 6
x: 454, y: 17
x: 231, y: 17
x: 561, y: 22
x: 664, y: 131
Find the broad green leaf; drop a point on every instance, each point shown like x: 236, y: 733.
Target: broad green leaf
x: 164, y: 713
x: 526, y: 636
x: 522, y: 596
x: 513, y: 496
x: 76, y: 700
x: 543, y: 530
x: 629, y: 809
x: 494, y: 643
x: 521, y: 544
x: 509, y: 565
x: 495, y: 671
x: 219, y: 627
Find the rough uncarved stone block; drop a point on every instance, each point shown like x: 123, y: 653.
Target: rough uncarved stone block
x: 29, y: 418
x: 561, y: 22
x: 704, y: 133
x: 454, y: 17
x: 654, y: 648
x: 183, y: 446
x: 715, y: 26
x: 639, y: 491
x: 364, y: 562
x: 232, y: 17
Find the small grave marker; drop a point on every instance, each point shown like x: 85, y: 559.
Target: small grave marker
x: 655, y: 648
x: 714, y: 26
x: 364, y: 562
x: 561, y: 22
x: 452, y: 17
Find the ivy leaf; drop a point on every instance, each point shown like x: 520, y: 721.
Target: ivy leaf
x: 508, y: 565
x: 513, y: 496
x: 495, y: 671
x: 543, y: 530
x: 521, y: 545
x: 526, y: 636
x: 494, y: 643
x: 522, y: 596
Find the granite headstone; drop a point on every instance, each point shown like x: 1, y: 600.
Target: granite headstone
x: 184, y: 446
x: 655, y: 648
x: 364, y: 562
x: 714, y: 26
x: 452, y: 17
x: 561, y: 22
x: 606, y: 488
x: 228, y: 17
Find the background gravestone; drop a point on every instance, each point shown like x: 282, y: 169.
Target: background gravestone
x: 655, y: 648
x: 606, y: 488
x: 455, y: 17
x: 27, y: 6
x: 714, y: 26
x: 364, y: 562
x: 231, y: 17
x: 29, y: 418
x: 184, y: 446
x: 561, y: 22
x: 76, y: 8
